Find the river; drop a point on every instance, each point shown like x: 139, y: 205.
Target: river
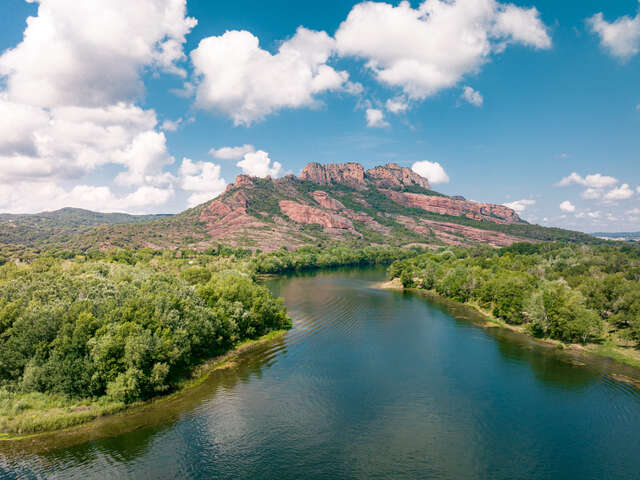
x: 371, y: 384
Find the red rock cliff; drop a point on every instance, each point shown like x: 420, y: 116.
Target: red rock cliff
x: 458, y: 208
x: 305, y: 214
x: 393, y: 175
x: 351, y: 174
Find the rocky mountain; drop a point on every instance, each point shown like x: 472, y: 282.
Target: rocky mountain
x: 342, y: 202
x: 386, y: 205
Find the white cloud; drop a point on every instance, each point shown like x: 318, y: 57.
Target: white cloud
x: 242, y: 80
x: 145, y: 157
x: 520, y: 205
x: 48, y: 195
x: 67, y: 108
x: 202, y: 179
x: 595, y: 180
x: 231, y: 153
x: 90, y: 53
x: 593, y: 214
x: 592, y: 194
x: 633, y: 211
x: 375, y: 118
x: 472, y: 96
x: 567, y: 206
x: 432, y: 47
x: 623, y: 192
x: 171, y: 125
x: 432, y: 171
x: 621, y: 38
x: 397, y: 105
x: 258, y: 164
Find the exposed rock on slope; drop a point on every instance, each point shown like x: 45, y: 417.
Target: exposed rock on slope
x: 350, y: 174
x: 326, y: 201
x: 393, y: 175
x: 457, y: 208
x: 305, y: 214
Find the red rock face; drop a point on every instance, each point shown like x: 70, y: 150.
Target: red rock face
x: 305, y: 214
x: 393, y: 175
x: 325, y: 201
x: 454, y: 234
x: 457, y: 208
x: 351, y: 174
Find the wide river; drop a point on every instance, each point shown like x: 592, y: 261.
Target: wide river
x: 369, y: 384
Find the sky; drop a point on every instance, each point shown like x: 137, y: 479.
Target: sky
x: 155, y: 106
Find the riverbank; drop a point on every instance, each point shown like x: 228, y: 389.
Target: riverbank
x: 30, y: 415
x: 608, y: 349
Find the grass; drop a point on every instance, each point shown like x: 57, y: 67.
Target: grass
x: 33, y: 413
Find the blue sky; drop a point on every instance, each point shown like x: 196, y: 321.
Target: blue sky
x: 103, y: 117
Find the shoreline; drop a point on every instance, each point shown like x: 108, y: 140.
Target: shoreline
x: 199, y: 375
x: 610, y: 352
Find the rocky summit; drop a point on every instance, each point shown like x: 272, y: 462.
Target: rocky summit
x: 387, y: 204
x: 327, y: 204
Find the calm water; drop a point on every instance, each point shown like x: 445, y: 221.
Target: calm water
x: 369, y: 384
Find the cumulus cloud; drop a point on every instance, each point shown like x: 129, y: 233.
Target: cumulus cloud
x: 67, y: 105
x: 605, y: 188
x: 90, y: 53
x: 567, y: 206
x: 375, y: 118
x: 239, y: 78
x: 520, y: 205
x: 595, y: 180
x: 202, y: 180
x: 397, y: 105
x: 232, y: 153
x: 171, y: 125
x: 432, y: 47
x: 621, y: 38
x: 258, y: 164
x: 432, y: 171
x: 49, y: 195
x: 472, y: 96
x: 623, y: 192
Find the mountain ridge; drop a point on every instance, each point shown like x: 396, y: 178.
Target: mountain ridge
x: 326, y: 204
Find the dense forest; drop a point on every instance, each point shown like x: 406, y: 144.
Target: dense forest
x: 122, y: 328
x: 569, y: 292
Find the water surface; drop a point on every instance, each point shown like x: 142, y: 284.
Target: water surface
x: 369, y: 384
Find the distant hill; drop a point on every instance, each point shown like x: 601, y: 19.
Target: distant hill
x: 59, y: 226
x: 335, y: 203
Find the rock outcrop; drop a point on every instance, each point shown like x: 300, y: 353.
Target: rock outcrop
x: 306, y: 214
x: 325, y: 201
x: 351, y: 174
x: 457, y: 208
x: 394, y: 176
